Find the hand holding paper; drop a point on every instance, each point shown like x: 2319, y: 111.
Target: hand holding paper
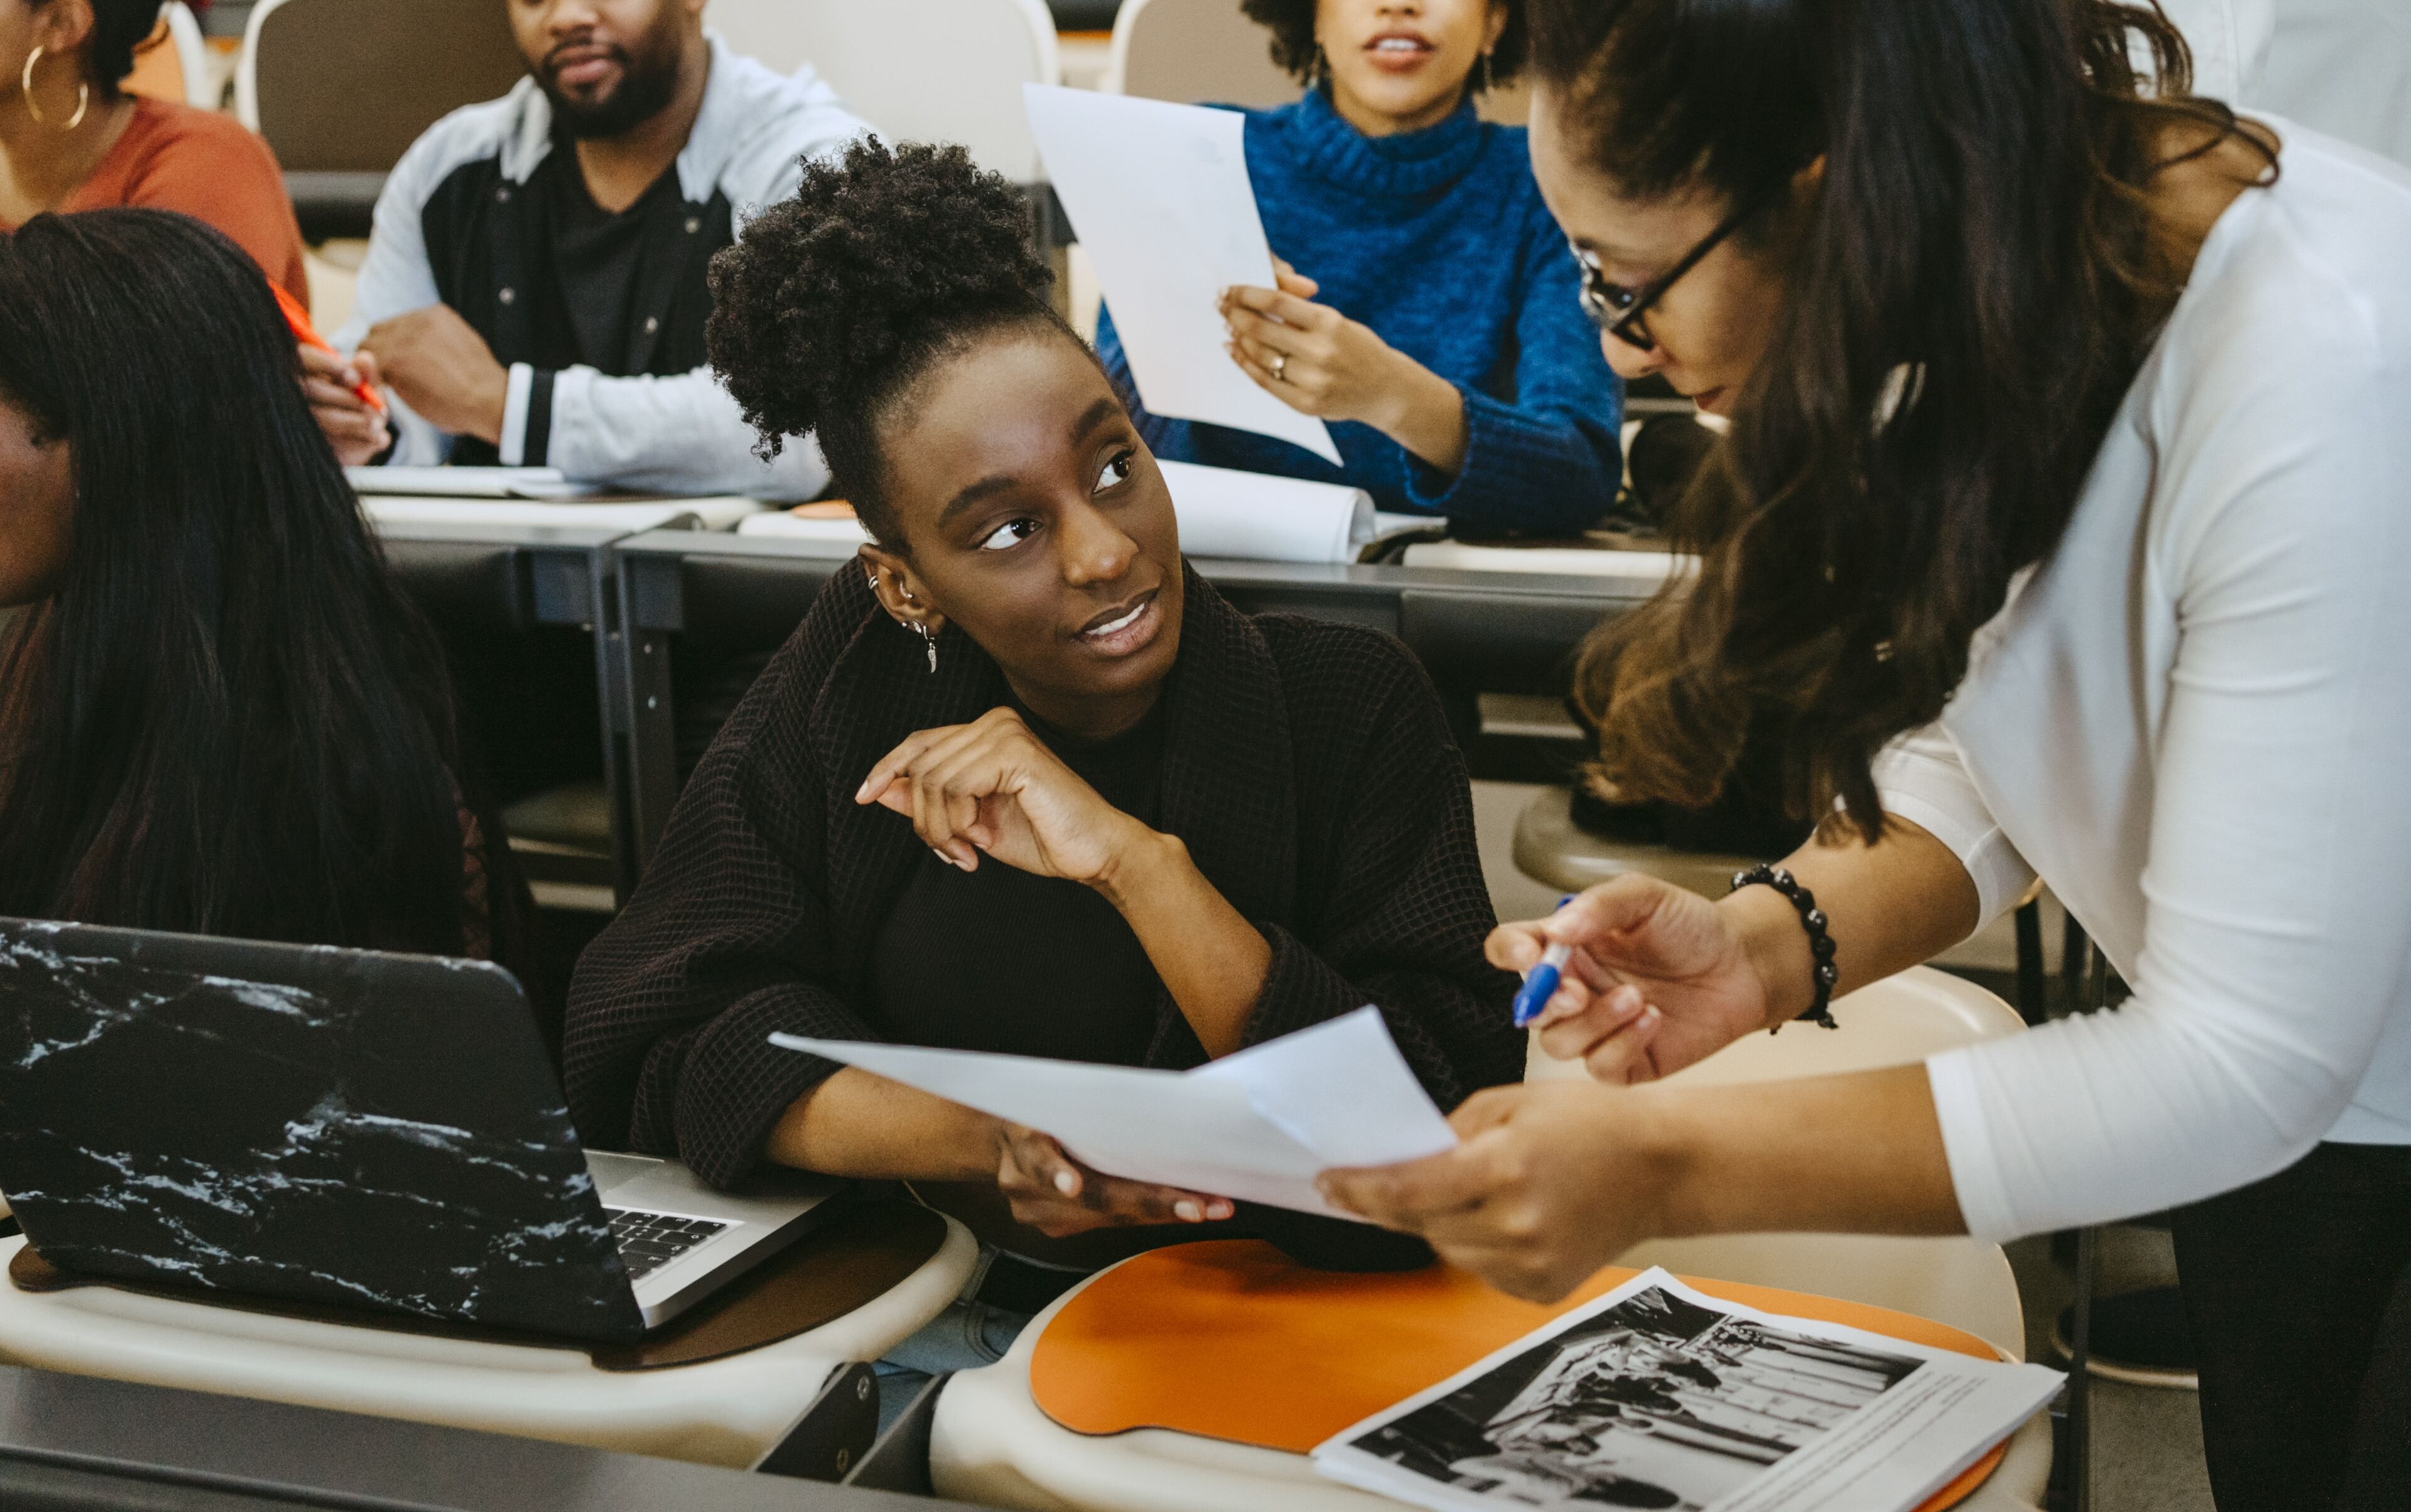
x: 1160, y: 196
x: 1255, y: 1126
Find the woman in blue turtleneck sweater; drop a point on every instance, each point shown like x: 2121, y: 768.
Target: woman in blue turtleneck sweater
x: 1440, y: 330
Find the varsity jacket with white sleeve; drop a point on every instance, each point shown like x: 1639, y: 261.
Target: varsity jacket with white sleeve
x: 454, y: 226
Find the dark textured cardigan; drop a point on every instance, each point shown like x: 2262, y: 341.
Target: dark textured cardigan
x: 1307, y: 766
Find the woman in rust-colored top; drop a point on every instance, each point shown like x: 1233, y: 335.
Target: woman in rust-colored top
x: 71, y: 140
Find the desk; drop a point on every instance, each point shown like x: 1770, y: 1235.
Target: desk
x: 726, y: 1410
x: 68, y: 1441
x: 1474, y: 631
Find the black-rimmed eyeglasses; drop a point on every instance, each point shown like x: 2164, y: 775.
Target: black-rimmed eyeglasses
x: 1617, y: 310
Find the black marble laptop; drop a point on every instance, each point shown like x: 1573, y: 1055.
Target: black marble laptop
x: 334, y: 1127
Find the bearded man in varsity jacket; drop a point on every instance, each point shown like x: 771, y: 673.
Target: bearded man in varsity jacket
x: 534, y: 292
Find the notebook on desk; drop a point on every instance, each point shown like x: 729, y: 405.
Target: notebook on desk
x: 341, y: 1127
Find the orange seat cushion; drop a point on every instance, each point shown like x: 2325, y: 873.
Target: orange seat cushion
x: 1230, y: 1338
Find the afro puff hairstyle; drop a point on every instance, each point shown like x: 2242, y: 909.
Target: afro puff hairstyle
x: 832, y: 304
x: 1294, y: 47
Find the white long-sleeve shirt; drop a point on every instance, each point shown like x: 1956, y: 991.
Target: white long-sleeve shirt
x: 2340, y: 66
x: 677, y: 432
x: 2194, y: 721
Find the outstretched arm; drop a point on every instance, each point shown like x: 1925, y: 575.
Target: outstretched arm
x: 1554, y: 1180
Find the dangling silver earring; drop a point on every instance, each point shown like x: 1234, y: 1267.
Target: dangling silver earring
x: 929, y: 642
x: 1320, y: 71
x: 1488, y: 83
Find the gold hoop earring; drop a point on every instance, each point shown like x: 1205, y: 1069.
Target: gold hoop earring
x: 25, y: 87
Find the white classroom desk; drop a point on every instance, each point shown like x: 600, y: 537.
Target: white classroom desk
x: 720, y: 512
x: 727, y: 1412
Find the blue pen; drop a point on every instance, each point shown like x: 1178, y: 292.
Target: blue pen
x: 1540, y: 982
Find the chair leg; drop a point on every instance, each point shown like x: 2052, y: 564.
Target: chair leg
x: 2073, y: 949
x: 2080, y: 1379
x: 2034, y: 1002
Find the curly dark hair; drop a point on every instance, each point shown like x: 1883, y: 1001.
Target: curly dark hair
x: 831, y: 303
x: 1291, y: 23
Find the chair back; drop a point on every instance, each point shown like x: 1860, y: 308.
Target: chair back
x: 345, y: 86
x: 172, y: 63
x: 1197, y: 52
x: 917, y: 70
x: 1192, y: 52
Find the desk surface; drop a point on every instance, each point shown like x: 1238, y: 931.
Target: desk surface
x: 93, y: 1443
x: 490, y: 533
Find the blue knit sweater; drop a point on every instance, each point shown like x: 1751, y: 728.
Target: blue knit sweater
x: 1437, y: 240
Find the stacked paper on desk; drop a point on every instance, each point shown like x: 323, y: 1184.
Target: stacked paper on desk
x: 840, y: 533
x: 473, y: 483
x: 614, y: 512
x: 1658, y: 1395
x: 1644, y: 568
x: 1256, y: 1127
x: 1159, y: 195
x: 1224, y: 512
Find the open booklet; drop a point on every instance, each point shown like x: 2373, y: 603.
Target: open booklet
x: 1659, y: 1396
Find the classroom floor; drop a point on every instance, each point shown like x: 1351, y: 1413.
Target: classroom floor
x: 2147, y: 1442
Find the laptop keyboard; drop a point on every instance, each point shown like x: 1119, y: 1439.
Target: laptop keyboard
x: 650, y: 1240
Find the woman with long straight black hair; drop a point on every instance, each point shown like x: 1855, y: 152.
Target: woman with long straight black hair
x: 218, y: 713
x: 2062, y: 530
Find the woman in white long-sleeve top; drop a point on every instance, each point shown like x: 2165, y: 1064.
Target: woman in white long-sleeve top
x: 2065, y: 532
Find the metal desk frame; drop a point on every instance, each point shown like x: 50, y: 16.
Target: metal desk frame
x: 562, y: 576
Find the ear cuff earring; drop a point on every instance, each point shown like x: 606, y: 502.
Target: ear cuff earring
x: 928, y: 637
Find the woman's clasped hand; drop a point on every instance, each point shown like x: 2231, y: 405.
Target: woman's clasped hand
x: 1058, y: 1196
x: 993, y: 787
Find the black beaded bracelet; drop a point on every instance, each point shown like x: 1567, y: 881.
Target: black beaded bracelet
x: 1812, y: 919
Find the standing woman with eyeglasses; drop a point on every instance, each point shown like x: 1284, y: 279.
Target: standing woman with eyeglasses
x: 2063, y: 530
x: 71, y: 139
x: 1429, y: 314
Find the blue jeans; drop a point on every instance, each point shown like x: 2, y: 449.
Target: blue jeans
x: 969, y: 1333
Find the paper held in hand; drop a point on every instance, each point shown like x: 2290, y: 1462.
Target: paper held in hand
x: 1657, y: 1395
x: 1255, y: 1126
x: 1160, y: 198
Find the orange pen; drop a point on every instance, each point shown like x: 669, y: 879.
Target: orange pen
x: 298, y: 320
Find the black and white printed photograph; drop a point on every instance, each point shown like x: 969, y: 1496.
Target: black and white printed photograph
x: 1657, y: 1402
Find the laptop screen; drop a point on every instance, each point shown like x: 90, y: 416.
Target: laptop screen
x: 326, y: 1125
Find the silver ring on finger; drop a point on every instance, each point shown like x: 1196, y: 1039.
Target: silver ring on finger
x: 1280, y: 367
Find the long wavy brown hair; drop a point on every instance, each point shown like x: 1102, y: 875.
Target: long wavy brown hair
x: 1975, y: 280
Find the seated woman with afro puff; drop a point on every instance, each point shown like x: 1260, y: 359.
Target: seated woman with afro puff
x: 1021, y: 781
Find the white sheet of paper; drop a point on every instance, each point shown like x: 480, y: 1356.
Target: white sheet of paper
x: 1255, y: 1126
x: 1225, y: 512
x: 1159, y: 196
